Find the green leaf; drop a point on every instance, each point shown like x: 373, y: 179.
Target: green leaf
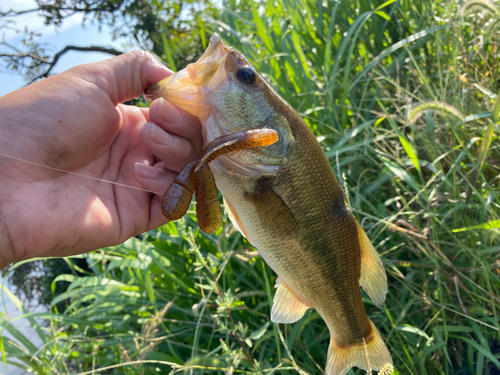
x: 496, y: 109
x: 476, y: 116
x: 255, y: 335
x: 149, y: 288
x: 407, y: 146
x: 401, y: 173
x: 493, y: 224
x: 395, y: 47
x: 415, y: 330
x: 201, y: 27
x: 383, y: 14
x: 300, y: 53
x: 167, y: 51
x: 481, y: 349
x: 485, y: 91
x: 65, y: 277
x: 329, y: 39
x: 261, y: 29
x: 383, y: 5
x: 410, y: 151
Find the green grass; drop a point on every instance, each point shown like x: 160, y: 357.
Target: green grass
x: 403, y: 96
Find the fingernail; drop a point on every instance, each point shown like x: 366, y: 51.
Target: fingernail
x: 146, y: 171
x: 168, y: 112
x: 158, y: 135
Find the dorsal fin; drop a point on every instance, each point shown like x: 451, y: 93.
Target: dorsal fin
x: 287, y: 308
x: 373, y: 277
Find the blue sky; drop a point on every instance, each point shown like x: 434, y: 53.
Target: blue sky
x: 71, y: 32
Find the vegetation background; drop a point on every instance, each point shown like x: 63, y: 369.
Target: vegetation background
x: 402, y: 96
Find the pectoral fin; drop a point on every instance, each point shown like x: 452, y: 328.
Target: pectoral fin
x: 373, y: 277
x: 273, y: 210
x: 287, y: 308
x: 233, y: 216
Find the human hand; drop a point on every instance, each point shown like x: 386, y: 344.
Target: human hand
x: 74, y: 121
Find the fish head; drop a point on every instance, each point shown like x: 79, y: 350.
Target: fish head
x: 229, y: 96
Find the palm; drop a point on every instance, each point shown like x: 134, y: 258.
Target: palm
x: 73, y: 124
x: 92, y: 209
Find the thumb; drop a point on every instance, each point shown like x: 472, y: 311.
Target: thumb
x: 126, y: 76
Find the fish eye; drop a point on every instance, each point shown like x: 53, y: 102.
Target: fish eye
x: 246, y: 75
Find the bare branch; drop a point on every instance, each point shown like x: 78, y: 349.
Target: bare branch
x: 66, y: 49
x: 11, y: 12
x: 20, y: 54
x: 49, y: 8
x: 23, y: 55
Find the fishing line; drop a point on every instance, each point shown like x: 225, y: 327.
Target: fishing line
x: 78, y: 174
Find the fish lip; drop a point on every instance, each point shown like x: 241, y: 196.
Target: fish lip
x: 215, y: 41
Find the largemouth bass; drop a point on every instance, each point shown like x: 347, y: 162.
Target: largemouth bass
x: 285, y: 199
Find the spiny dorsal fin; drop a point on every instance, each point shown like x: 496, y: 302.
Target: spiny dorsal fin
x: 373, y: 277
x: 286, y: 307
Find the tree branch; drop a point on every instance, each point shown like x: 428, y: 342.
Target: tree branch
x: 66, y: 49
x: 22, y: 55
x: 12, y: 12
x: 49, y: 8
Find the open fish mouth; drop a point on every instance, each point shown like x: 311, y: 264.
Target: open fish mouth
x: 183, y: 89
x: 220, y: 125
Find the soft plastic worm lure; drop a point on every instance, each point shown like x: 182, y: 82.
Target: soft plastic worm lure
x: 197, y: 178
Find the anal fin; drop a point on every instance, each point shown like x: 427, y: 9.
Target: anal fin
x: 287, y: 308
x: 373, y: 277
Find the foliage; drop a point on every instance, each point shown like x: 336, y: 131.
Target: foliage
x: 402, y: 96
x: 157, y: 26
x: 32, y: 280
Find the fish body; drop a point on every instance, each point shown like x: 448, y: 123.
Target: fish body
x: 287, y: 202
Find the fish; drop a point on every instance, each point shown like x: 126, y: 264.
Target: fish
x: 285, y: 199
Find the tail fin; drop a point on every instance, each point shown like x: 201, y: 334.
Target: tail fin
x: 367, y: 355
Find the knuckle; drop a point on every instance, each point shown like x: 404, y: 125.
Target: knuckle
x: 179, y: 156
x: 140, y: 55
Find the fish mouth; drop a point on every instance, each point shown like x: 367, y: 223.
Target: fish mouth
x: 221, y: 126
x: 216, y: 49
x: 183, y: 89
x: 253, y: 163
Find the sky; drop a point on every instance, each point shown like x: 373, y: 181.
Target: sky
x: 71, y: 32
